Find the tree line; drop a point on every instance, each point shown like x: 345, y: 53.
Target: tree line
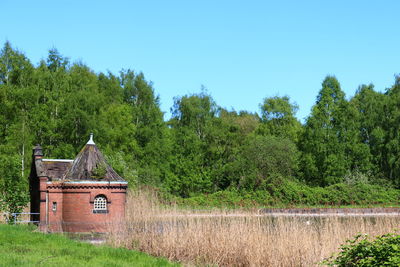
x: 203, y: 148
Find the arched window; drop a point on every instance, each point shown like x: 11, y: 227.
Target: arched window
x: 100, y: 204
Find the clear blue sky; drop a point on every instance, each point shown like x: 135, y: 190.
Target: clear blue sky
x: 241, y: 51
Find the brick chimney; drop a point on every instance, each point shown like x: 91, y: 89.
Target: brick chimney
x: 37, y: 152
x: 34, y: 183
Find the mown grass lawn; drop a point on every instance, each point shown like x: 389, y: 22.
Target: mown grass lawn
x: 22, y: 246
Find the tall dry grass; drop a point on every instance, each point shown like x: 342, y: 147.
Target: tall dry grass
x: 239, y: 238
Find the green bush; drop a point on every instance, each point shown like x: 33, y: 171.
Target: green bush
x: 292, y: 193
x: 360, y: 251
x: 13, y: 188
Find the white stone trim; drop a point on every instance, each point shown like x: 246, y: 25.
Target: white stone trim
x: 59, y: 160
x: 90, y: 142
x: 89, y: 182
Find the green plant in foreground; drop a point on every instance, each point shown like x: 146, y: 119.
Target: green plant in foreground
x: 99, y: 172
x: 360, y: 251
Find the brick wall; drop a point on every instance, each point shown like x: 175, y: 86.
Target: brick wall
x: 74, y: 206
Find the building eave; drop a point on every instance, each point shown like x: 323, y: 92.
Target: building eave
x: 88, y: 182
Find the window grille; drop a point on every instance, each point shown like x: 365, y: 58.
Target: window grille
x: 100, y: 203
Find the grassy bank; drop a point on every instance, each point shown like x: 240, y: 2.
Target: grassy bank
x: 22, y: 246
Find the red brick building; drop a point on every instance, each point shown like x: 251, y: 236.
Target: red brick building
x: 80, y: 195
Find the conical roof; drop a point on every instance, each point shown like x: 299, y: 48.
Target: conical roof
x: 90, y: 164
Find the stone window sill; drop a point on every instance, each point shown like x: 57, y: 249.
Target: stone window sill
x: 100, y: 211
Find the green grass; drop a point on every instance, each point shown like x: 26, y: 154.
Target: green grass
x: 23, y: 246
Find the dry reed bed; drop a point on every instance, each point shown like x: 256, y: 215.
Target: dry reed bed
x: 237, y: 240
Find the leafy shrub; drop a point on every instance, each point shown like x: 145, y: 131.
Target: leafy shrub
x: 99, y: 172
x: 287, y: 192
x: 360, y: 251
x: 13, y: 193
x: 357, y: 177
x: 264, y: 160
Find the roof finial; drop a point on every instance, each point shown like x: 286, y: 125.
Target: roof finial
x: 91, y: 142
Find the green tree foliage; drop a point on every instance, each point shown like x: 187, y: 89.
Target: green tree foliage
x: 278, y: 118
x: 151, y: 133
x: 203, y: 148
x: 57, y: 104
x: 206, y: 143
x: 391, y: 129
x: 325, y: 138
x: 192, y: 118
x: 265, y: 160
x: 17, y: 98
x: 230, y: 131
x: 371, y: 123
x: 15, y: 68
x: 13, y: 188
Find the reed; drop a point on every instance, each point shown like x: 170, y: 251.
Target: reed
x: 239, y: 238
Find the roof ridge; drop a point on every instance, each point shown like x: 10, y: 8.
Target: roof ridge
x: 90, y: 164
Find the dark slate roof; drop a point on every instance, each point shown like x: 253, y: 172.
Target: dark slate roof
x: 54, y: 169
x: 90, y: 164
